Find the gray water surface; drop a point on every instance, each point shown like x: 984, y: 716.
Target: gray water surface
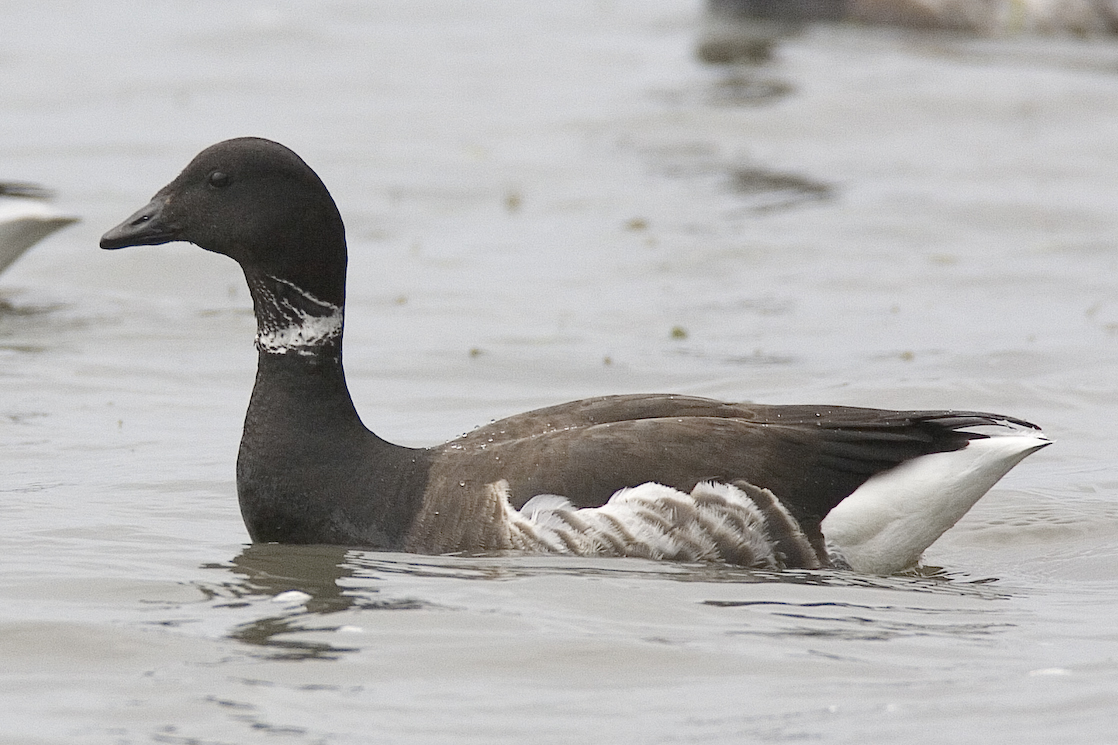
x: 544, y: 202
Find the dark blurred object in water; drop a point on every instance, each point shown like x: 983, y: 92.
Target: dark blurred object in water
x: 993, y: 17
x: 25, y: 219
x: 780, y: 10
x: 746, y: 30
x: 769, y: 191
x: 24, y: 190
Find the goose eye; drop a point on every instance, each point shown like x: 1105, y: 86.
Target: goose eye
x: 219, y: 179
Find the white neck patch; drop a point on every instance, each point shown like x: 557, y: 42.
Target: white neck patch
x: 303, y: 330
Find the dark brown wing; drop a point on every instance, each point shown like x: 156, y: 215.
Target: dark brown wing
x: 627, y: 408
x: 810, y: 457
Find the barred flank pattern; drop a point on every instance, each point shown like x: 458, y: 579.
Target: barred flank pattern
x: 740, y: 524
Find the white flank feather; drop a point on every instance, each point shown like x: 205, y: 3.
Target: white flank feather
x: 713, y: 522
x: 886, y: 524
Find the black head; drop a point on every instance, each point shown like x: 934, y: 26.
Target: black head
x: 257, y: 202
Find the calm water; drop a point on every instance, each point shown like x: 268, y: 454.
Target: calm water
x: 546, y: 203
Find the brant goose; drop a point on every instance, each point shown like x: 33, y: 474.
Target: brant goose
x: 657, y: 476
x: 25, y: 219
